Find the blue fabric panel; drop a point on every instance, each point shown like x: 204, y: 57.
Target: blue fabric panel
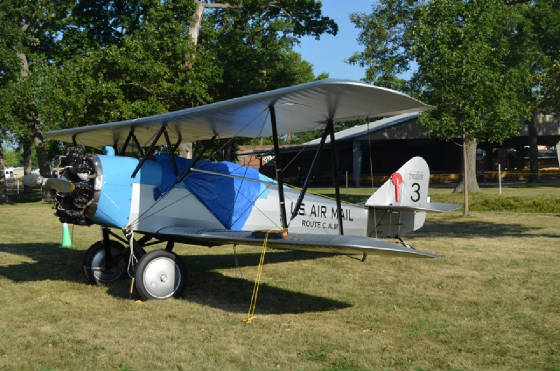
x: 149, y: 174
x: 229, y: 199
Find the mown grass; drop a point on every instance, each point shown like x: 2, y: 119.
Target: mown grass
x: 491, y: 303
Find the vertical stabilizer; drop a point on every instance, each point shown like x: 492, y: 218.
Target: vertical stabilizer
x: 406, y: 187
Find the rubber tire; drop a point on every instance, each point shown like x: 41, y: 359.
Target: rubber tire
x: 146, y: 266
x: 95, y: 255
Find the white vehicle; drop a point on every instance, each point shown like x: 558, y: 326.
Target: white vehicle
x: 167, y: 198
x: 8, y: 172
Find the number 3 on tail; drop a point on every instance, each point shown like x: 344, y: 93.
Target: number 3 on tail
x: 416, y: 189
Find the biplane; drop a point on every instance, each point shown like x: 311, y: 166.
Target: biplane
x: 160, y: 197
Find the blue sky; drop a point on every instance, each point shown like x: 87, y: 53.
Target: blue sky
x: 328, y: 53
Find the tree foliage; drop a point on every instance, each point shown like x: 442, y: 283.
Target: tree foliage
x: 539, y: 35
x: 72, y: 63
x: 465, y: 66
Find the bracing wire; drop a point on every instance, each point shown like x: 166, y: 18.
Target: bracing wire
x: 259, y: 210
x: 293, y: 159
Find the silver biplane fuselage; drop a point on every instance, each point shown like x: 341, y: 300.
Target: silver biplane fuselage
x: 252, y: 204
x: 167, y: 198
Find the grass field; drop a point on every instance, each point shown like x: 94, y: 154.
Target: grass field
x: 491, y: 303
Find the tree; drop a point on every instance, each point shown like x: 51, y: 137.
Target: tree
x: 463, y: 52
x: 539, y: 37
x: 3, y: 190
x: 30, y: 33
x: 130, y: 59
x: 72, y: 63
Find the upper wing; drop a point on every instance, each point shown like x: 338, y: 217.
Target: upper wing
x: 294, y: 241
x: 298, y: 108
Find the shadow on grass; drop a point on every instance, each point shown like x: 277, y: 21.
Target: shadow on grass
x: 204, y: 286
x: 467, y: 229
x: 24, y: 197
x: 50, y: 262
x: 201, y: 263
x: 234, y: 294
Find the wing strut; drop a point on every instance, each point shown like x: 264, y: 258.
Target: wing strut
x: 150, y: 151
x: 295, y: 211
x: 283, y: 219
x: 127, y: 141
x: 330, y: 128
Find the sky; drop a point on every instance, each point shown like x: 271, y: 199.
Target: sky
x: 328, y: 53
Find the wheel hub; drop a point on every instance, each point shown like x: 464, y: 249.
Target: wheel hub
x: 161, y: 277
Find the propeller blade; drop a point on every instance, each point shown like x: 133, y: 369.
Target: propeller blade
x: 33, y: 180
x: 60, y: 185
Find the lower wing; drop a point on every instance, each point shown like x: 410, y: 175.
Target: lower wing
x: 293, y: 241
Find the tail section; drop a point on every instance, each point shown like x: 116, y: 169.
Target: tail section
x: 399, y: 206
x: 407, y: 187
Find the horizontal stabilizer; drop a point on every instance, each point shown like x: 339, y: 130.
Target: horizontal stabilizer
x: 442, y: 207
x: 430, y: 206
x: 294, y: 241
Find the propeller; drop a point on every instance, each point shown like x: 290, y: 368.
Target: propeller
x: 60, y: 185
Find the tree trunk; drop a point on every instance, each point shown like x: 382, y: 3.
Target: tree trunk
x: 35, y: 128
x: 3, y: 190
x: 42, y: 155
x: 468, y: 178
x: 471, y: 167
x: 196, y: 21
x: 38, y: 141
x: 27, y: 166
x: 186, y: 150
x: 465, y: 179
x: 533, y: 149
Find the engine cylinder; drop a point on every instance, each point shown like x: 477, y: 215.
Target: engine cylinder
x: 79, y: 169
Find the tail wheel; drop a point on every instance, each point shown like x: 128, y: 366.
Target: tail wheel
x: 95, y: 269
x: 160, y: 274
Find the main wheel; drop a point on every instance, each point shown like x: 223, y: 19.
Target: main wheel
x: 94, y: 266
x: 160, y: 274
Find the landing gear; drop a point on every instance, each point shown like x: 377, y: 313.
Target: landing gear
x: 107, y: 261
x: 160, y: 274
x: 98, y: 269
